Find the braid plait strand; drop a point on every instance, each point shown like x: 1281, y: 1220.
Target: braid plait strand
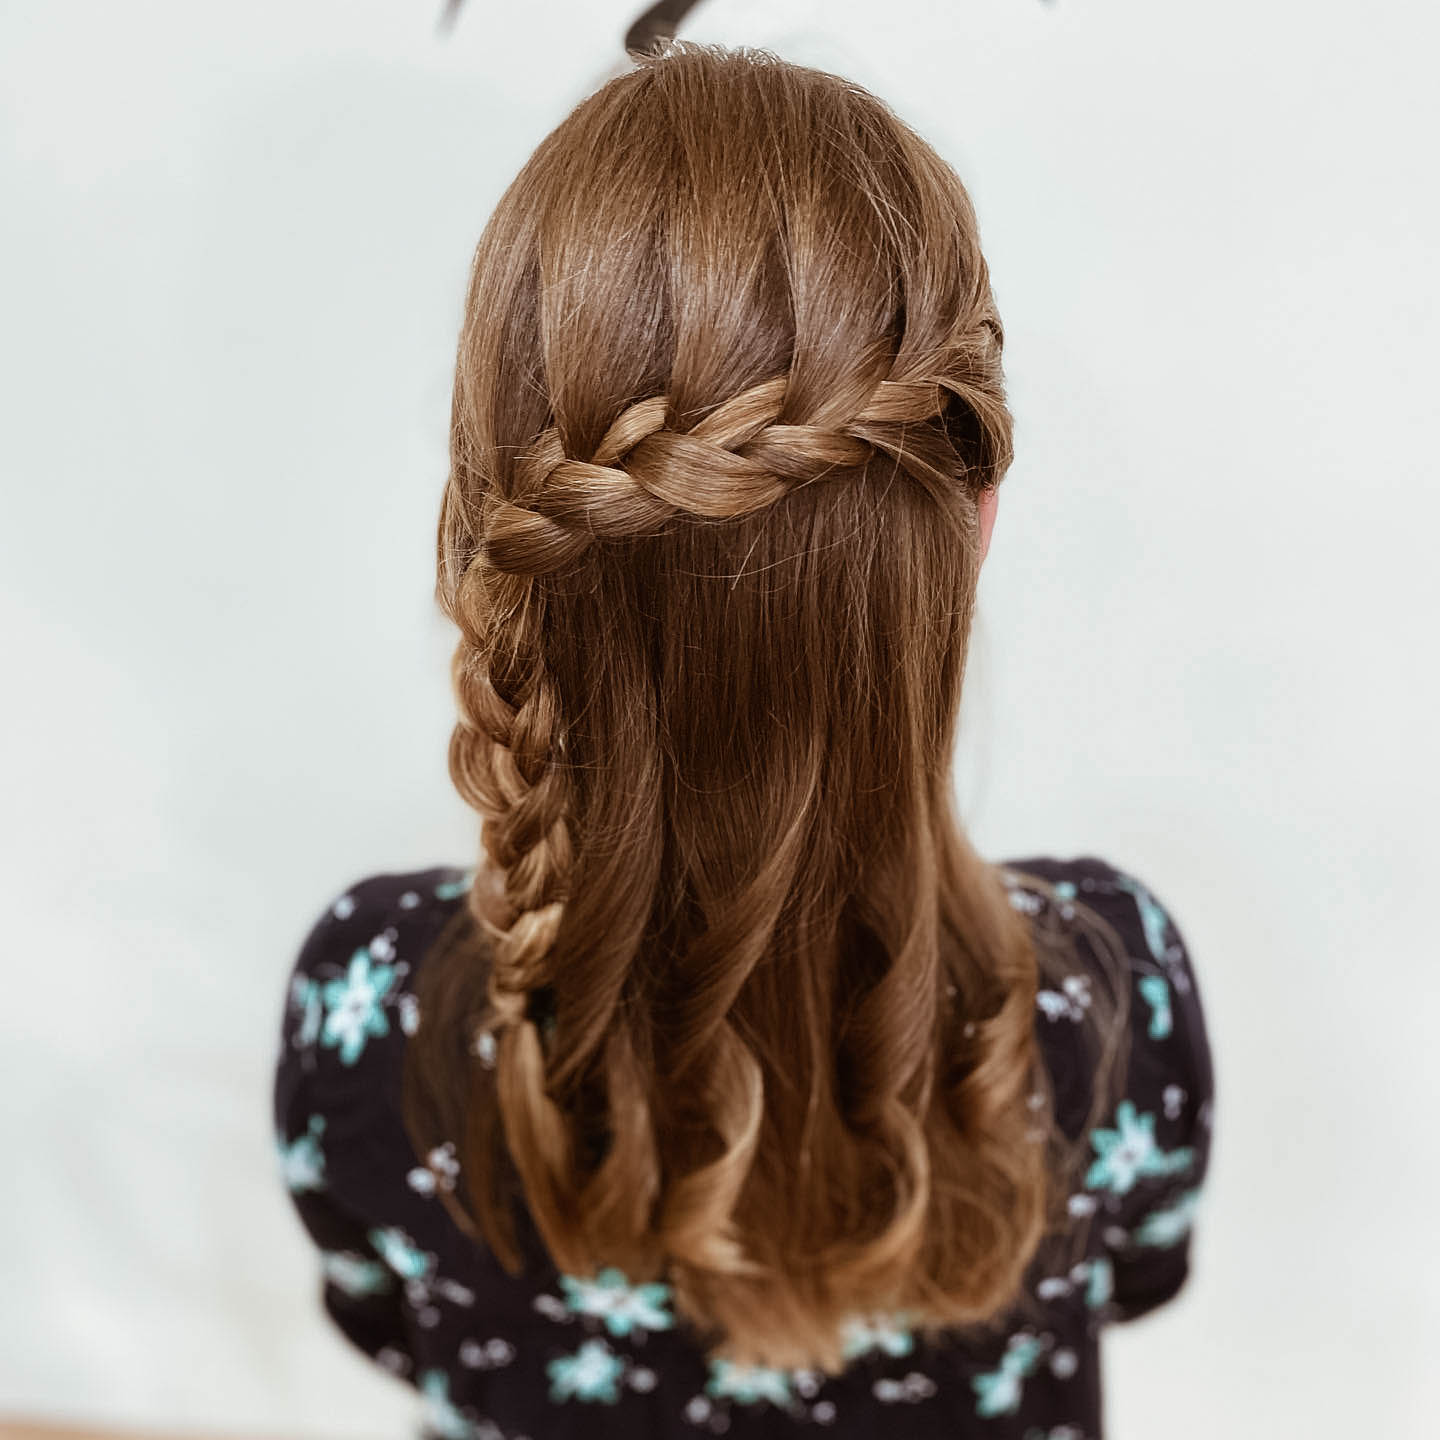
x: 500, y: 760
x: 736, y: 460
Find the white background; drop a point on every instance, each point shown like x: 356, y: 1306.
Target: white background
x: 234, y: 243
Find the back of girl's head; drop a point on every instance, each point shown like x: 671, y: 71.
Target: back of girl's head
x: 728, y: 393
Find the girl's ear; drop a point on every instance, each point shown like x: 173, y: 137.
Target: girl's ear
x: 989, y: 499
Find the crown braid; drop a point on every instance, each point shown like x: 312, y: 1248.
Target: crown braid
x: 736, y: 460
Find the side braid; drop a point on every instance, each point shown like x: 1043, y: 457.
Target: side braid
x: 501, y: 753
x: 736, y: 460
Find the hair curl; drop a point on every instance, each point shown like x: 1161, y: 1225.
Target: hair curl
x: 728, y: 392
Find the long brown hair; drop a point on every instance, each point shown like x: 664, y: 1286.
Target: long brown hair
x: 732, y: 999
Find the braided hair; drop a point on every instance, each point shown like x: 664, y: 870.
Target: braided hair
x: 749, y: 1010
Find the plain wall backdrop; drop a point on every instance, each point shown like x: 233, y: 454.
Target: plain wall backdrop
x: 233, y: 243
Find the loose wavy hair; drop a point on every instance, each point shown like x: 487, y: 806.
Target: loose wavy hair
x: 732, y: 998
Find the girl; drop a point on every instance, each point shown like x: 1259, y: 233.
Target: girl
x: 733, y: 1091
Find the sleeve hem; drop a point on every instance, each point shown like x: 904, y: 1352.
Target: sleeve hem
x: 372, y: 1328
x: 1145, y: 1284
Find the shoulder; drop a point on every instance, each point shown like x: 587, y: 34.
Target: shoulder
x: 1145, y: 925
x: 1121, y: 935
x: 1144, y: 1137
x: 349, y: 996
x: 410, y: 901
x: 1089, y: 877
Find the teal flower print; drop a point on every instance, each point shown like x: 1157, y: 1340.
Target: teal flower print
x: 1129, y: 1151
x: 454, y: 889
x: 441, y: 1416
x: 1101, y: 1285
x: 302, y: 1162
x: 356, y: 1275
x: 356, y: 1006
x: 749, y: 1384
x: 1064, y: 889
x: 305, y: 997
x: 591, y: 1373
x: 622, y: 1306
x: 1169, y: 1226
x: 400, y: 1252
x: 889, y: 1335
x: 1156, y: 992
x: 998, y: 1391
x: 1153, y: 918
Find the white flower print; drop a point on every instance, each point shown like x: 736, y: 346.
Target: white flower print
x: 453, y: 1291
x: 494, y: 1353
x: 397, y: 1362
x: 439, y: 1171
x: 1053, y: 1003
x: 1070, y: 1002
x: 483, y: 1048
x: 1026, y: 901
x: 910, y: 1390
x: 409, y: 1008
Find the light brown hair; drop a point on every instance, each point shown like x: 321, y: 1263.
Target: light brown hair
x: 729, y: 387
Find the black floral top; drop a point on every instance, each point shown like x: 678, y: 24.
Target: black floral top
x: 546, y: 1355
